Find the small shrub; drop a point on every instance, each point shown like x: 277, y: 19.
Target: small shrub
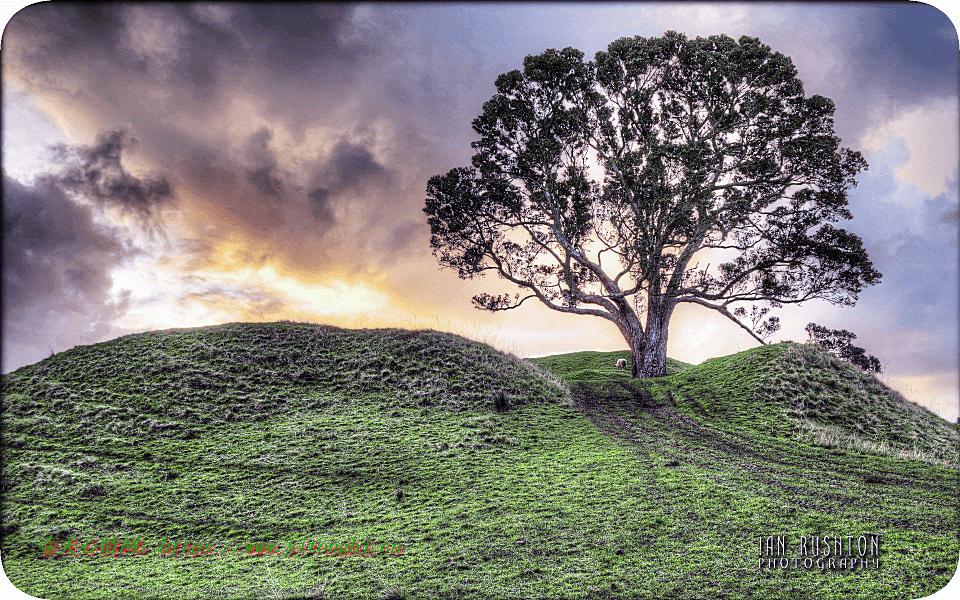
x: 500, y: 402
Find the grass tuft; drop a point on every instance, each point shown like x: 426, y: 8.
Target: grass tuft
x: 393, y: 592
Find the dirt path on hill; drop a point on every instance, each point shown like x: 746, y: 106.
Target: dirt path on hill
x: 670, y: 432
x: 643, y: 424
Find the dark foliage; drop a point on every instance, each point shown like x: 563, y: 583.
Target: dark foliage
x: 838, y: 343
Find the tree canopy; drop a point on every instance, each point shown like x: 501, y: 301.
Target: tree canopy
x: 601, y: 188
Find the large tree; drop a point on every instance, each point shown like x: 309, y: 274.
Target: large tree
x: 600, y: 188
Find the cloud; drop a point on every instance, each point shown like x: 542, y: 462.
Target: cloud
x: 876, y: 61
x: 910, y: 319
x: 915, y: 42
x: 96, y: 174
x: 349, y: 171
x: 250, y: 300
x: 264, y: 175
x: 321, y: 207
x: 193, y: 51
x: 266, y: 117
x: 932, y: 141
x: 352, y: 167
x: 56, y: 271
x: 59, y: 247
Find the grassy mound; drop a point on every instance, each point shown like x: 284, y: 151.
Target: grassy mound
x: 787, y: 390
x: 834, y: 404
x: 84, y: 424
x: 166, y: 382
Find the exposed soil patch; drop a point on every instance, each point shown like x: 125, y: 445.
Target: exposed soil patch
x: 610, y: 423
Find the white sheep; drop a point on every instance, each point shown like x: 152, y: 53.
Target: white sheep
x: 621, y: 364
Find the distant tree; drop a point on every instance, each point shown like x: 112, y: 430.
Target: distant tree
x: 599, y: 187
x: 838, y: 342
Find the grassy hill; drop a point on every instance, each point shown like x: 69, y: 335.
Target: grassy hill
x: 787, y: 390
x: 589, y: 485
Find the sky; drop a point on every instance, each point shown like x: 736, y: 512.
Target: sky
x: 179, y: 165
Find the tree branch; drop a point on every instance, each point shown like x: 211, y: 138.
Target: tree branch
x: 723, y: 311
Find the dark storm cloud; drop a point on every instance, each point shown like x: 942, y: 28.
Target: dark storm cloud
x: 912, y: 239
x: 321, y: 206
x: 292, y: 35
x: 265, y: 175
x: 351, y: 167
x: 95, y: 173
x: 172, y: 71
x: 907, y: 49
x: 238, y: 194
x: 91, y: 33
x: 266, y: 182
x: 202, y: 48
x: 52, y: 247
x: 876, y: 61
x: 56, y: 263
x: 403, y: 236
x: 291, y: 55
x: 57, y: 258
x: 348, y: 172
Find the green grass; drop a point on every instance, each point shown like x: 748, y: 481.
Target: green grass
x: 595, y: 366
x: 787, y: 390
x: 588, y: 485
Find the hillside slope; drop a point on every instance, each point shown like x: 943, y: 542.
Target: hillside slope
x: 252, y: 370
x: 244, y: 435
x: 789, y: 390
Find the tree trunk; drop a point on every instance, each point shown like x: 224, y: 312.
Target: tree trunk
x: 652, y: 358
x: 649, y: 347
